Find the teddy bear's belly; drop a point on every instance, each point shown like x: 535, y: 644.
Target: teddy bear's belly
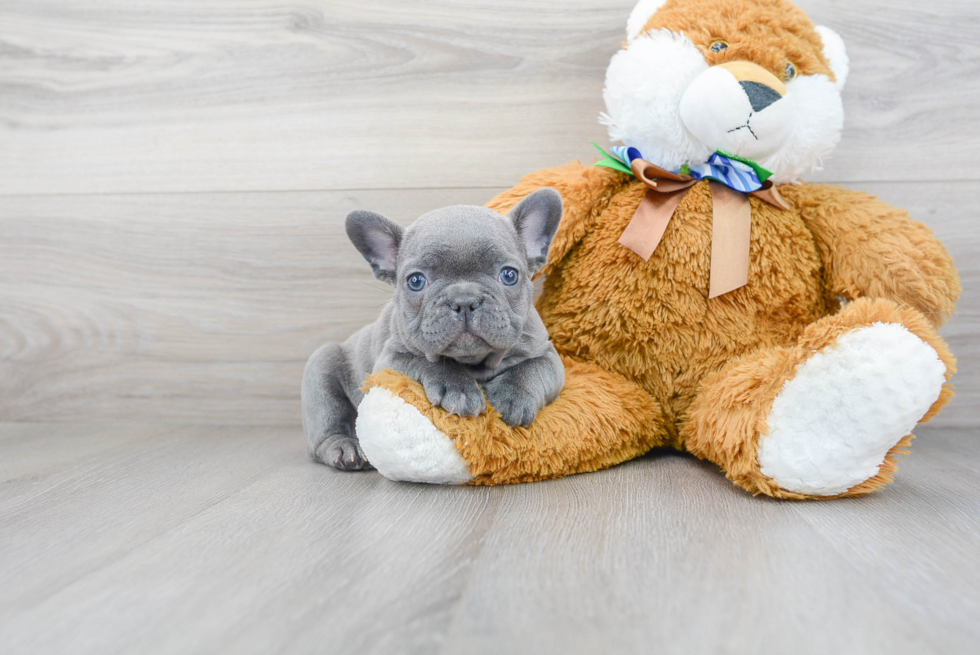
x: 652, y: 321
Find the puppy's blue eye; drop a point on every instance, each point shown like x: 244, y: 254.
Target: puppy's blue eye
x: 416, y: 281
x: 509, y: 276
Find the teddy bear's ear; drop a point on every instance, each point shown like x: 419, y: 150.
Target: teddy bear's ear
x: 836, y: 54
x: 642, y: 12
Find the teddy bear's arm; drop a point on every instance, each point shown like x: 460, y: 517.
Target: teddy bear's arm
x: 871, y: 249
x: 585, y: 191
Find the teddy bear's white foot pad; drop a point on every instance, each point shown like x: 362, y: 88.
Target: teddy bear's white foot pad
x: 832, y: 424
x: 403, y: 444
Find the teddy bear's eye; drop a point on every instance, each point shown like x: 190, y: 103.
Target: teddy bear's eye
x: 790, y: 73
x: 718, y: 46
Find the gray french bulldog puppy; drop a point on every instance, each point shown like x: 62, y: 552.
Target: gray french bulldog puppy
x: 461, y: 318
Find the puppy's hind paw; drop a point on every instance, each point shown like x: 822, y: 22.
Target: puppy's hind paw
x: 342, y: 453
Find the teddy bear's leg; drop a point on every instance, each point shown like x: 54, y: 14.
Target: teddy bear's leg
x: 598, y: 420
x: 826, y: 417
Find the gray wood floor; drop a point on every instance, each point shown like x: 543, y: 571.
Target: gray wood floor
x: 129, y: 538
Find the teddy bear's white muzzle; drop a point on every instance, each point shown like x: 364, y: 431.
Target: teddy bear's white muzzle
x: 738, y: 114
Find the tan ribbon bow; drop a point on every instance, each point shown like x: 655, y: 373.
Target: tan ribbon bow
x: 731, y: 222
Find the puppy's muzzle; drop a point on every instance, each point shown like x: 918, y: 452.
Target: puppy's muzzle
x: 465, y: 305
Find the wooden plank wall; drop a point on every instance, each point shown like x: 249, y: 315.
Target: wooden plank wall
x: 174, y: 173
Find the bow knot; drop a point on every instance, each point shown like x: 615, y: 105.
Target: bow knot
x: 732, y: 181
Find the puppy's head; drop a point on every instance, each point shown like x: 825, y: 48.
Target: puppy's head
x: 462, y: 274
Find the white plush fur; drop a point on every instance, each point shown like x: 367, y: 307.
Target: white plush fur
x: 836, y: 54
x: 404, y: 445
x: 817, y: 122
x: 715, y: 108
x: 641, y: 13
x: 832, y: 424
x: 645, y: 86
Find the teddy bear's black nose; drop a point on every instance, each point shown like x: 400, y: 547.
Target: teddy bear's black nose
x: 760, y: 95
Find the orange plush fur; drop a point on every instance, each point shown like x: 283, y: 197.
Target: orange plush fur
x: 651, y: 360
x: 769, y: 33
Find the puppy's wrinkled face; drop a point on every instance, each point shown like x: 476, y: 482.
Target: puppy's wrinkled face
x: 463, y: 288
x: 462, y: 274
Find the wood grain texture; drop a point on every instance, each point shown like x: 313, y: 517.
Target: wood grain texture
x: 181, y: 307
x: 164, y: 95
x: 226, y: 539
x: 205, y: 307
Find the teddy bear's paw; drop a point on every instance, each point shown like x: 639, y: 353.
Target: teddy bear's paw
x: 834, y: 422
x: 405, y: 445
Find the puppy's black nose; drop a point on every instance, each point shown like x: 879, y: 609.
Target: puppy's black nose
x: 465, y: 305
x: 760, y: 95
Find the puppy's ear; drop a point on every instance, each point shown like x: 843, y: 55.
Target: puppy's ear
x: 536, y: 219
x: 377, y: 238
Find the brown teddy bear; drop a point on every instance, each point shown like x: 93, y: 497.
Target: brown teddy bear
x: 700, y: 296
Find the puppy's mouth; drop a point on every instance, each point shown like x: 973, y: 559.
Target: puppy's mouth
x: 466, y: 333
x: 468, y: 348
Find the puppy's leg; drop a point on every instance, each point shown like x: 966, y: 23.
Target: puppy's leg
x: 328, y: 413
x: 446, y: 384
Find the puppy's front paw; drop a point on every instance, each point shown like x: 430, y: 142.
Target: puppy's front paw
x: 516, y: 406
x: 342, y: 453
x: 455, y: 393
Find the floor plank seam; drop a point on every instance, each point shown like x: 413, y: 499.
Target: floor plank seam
x: 15, y: 509
x: 484, y: 538
x: 899, y: 600
x: 118, y: 557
